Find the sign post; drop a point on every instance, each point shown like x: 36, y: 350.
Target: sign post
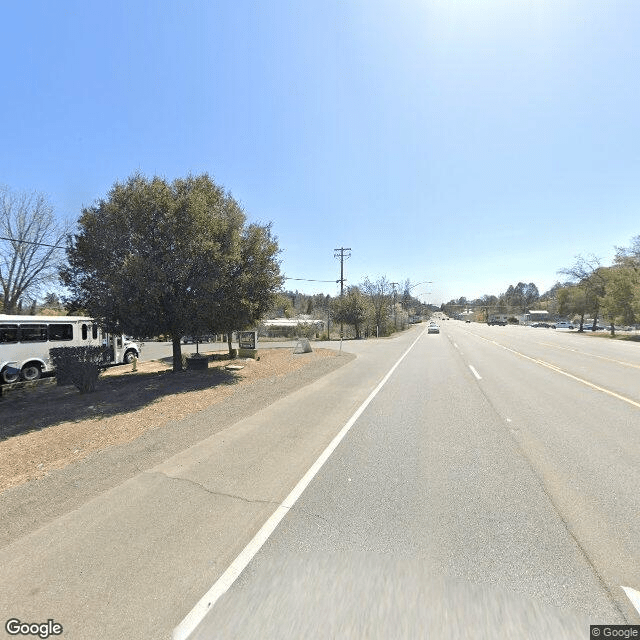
x: 247, y: 344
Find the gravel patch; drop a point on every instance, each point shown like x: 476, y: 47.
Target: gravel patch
x: 83, y: 458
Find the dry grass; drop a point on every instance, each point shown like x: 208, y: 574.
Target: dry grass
x: 50, y: 427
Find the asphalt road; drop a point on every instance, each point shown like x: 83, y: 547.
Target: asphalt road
x: 488, y: 489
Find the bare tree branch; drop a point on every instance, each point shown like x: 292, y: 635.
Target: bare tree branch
x: 30, y: 241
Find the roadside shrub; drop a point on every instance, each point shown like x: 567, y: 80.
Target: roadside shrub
x: 79, y: 366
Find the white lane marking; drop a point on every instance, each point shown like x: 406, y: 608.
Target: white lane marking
x: 634, y: 596
x: 553, y: 367
x: 224, y: 582
x: 475, y: 373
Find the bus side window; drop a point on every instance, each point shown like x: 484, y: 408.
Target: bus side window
x: 84, y: 332
x: 94, y: 331
x: 60, y: 332
x: 33, y: 333
x: 8, y: 333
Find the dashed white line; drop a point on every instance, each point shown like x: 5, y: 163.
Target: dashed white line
x: 475, y: 373
x: 224, y: 582
x: 634, y: 596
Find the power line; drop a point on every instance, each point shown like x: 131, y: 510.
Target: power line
x: 309, y: 280
x: 40, y: 244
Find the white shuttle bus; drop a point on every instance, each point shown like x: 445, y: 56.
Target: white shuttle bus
x: 25, y: 342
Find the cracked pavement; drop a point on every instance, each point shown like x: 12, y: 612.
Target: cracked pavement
x: 122, y: 550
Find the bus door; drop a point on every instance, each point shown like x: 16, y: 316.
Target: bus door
x: 114, y: 344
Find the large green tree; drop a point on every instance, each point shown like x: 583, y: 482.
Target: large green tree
x: 153, y: 256
x: 351, y: 308
x: 588, y: 275
x: 621, y: 301
x: 379, y: 294
x: 251, y: 283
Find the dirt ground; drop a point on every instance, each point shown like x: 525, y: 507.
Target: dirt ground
x: 49, y: 427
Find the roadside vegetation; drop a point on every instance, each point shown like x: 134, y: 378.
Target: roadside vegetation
x: 591, y: 294
x: 179, y: 258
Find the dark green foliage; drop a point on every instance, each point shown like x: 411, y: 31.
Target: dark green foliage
x: 80, y: 366
x: 352, y: 309
x: 152, y: 258
x: 250, y: 284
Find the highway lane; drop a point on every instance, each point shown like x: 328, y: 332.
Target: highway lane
x: 583, y: 441
x: 507, y: 476
x: 606, y: 363
x: 490, y: 483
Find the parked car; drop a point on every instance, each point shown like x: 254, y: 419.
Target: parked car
x: 542, y: 325
x: 562, y: 325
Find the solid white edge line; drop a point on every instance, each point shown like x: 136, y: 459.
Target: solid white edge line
x: 224, y: 582
x: 475, y: 373
x: 634, y: 596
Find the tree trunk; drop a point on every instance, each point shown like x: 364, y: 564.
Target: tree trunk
x: 229, y: 342
x: 177, y: 354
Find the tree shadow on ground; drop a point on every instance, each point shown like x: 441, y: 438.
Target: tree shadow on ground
x: 43, y: 407
x: 635, y: 338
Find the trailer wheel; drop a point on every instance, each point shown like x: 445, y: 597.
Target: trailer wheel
x: 31, y: 371
x: 129, y: 356
x: 10, y: 375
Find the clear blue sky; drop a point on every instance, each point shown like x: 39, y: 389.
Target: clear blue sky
x: 473, y: 143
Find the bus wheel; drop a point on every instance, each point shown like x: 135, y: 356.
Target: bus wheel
x: 30, y: 372
x: 10, y: 375
x: 129, y: 357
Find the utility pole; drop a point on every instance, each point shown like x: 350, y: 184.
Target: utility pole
x: 395, y: 324
x: 341, y: 253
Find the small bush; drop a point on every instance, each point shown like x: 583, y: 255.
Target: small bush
x: 79, y: 366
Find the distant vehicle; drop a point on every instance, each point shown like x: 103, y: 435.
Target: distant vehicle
x: 433, y: 328
x: 469, y: 321
x: 542, y: 325
x: 562, y: 325
x: 500, y: 323
x: 25, y: 342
